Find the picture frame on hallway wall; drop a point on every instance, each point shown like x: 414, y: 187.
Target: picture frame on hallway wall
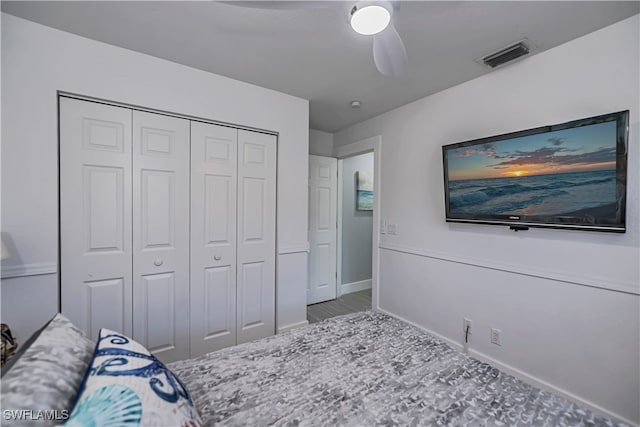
x: 364, y: 191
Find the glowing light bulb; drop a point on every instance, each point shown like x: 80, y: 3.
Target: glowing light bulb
x: 370, y: 19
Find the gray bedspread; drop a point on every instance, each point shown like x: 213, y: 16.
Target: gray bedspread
x: 365, y: 369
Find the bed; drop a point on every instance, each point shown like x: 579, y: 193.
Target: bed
x: 362, y: 369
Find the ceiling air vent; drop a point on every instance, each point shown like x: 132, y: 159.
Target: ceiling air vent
x: 507, y: 54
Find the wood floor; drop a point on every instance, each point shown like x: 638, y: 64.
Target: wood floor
x: 348, y: 303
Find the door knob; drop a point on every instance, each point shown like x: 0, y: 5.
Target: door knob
x: 157, y: 262
x: 217, y: 257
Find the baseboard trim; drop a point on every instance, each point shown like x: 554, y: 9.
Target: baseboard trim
x: 26, y: 270
x: 530, y: 379
x: 288, y: 328
x: 348, y: 288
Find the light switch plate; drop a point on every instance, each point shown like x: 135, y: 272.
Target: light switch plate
x: 392, y: 228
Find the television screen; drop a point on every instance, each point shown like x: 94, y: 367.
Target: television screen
x: 571, y: 175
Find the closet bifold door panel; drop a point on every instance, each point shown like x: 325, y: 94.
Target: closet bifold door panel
x: 161, y: 234
x: 233, y: 236
x: 124, y: 224
x: 167, y: 228
x: 95, y: 216
x: 214, y: 171
x: 256, y: 290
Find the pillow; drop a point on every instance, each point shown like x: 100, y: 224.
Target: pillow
x: 126, y: 385
x: 47, y: 372
x: 21, y: 349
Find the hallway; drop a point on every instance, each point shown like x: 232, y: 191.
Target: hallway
x: 348, y: 303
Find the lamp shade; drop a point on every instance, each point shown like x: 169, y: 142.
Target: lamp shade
x: 4, y: 252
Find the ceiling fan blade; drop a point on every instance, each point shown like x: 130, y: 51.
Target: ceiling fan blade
x: 389, y: 53
x: 277, y: 5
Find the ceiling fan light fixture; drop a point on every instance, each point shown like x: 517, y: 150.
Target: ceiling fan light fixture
x: 369, y: 19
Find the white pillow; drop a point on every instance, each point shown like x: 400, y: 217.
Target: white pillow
x: 126, y: 385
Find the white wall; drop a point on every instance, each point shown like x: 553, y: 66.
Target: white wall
x: 38, y: 61
x: 566, y: 301
x: 356, y: 226
x: 320, y: 143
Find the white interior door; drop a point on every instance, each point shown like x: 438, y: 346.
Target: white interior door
x: 214, y: 173
x: 95, y: 209
x: 161, y: 234
x: 256, y: 235
x: 323, y: 184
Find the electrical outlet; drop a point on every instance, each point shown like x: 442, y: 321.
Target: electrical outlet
x: 495, y: 336
x: 466, y: 322
x: 383, y: 226
x: 466, y: 330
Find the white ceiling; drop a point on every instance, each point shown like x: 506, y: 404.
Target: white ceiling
x: 312, y: 53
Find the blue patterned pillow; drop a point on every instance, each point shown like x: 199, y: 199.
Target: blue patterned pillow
x: 127, y: 386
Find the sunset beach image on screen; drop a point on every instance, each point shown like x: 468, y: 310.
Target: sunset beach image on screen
x: 568, y: 172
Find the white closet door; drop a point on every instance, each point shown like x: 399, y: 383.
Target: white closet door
x: 95, y: 210
x: 256, y: 235
x: 213, y: 237
x: 161, y: 234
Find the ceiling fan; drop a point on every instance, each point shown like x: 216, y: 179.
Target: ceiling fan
x: 369, y: 18
x: 375, y: 18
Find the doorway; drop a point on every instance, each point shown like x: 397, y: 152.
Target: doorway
x: 341, y: 258
x: 355, y: 223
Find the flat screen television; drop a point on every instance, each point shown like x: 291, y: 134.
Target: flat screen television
x: 570, y: 176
